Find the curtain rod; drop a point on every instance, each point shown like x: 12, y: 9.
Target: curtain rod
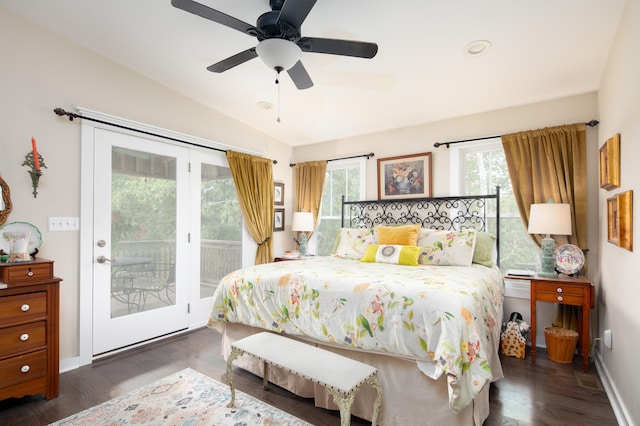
x: 72, y: 115
x: 591, y: 123
x: 369, y: 155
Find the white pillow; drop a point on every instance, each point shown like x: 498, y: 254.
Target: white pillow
x: 448, y: 248
x: 353, y: 242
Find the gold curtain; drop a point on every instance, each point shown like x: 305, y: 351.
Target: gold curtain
x: 309, y: 185
x: 253, y: 179
x: 551, y: 163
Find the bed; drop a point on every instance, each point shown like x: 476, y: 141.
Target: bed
x: 413, y: 288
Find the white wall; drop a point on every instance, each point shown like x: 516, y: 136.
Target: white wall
x: 619, y: 105
x: 41, y: 71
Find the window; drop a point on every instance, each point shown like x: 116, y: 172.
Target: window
x: 477, y: 169
x: 344, y: 177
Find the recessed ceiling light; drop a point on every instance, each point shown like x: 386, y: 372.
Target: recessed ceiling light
x: 477, y: 48
x: 264, y: 105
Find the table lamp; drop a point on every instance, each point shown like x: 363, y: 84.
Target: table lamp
x: 303, y: 223
x: 549, y: 219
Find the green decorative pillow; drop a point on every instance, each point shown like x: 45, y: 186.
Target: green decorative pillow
x: 352, y: 242
x: 390, y: 253
x: 448, y: 248
x: 405, y: 235
x: 483, y: 254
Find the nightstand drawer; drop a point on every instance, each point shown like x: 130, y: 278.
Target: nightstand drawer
x: 23, y: 368
x: 23, y: 307
x: 558, y: 288
x: 561, y: 298
x: 22, y: 338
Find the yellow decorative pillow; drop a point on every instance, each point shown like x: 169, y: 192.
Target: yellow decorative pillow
x: 406, y: 235
x: 395, y: 254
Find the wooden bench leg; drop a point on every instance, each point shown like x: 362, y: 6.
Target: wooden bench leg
x: 235, y: 353
x: 373, y: 382
x: 344, y: 401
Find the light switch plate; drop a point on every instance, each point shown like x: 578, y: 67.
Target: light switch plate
x: 64, y: 224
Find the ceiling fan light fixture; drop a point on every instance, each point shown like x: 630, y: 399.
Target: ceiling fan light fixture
x: 278, y: 54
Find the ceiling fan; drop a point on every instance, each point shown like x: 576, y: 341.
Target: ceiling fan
x: 280, y: 42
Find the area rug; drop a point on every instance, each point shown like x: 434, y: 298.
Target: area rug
x: 185, y: 398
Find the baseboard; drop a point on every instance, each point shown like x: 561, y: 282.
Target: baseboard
x: 69, y: 364
x: 622, y: 414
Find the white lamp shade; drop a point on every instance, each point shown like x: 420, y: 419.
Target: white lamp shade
x: 550, y: 219
x: 278, y: 54
x: 302, y: 221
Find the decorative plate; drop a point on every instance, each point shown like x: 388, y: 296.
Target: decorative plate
x: 35, y: 237
x: 569, y: 259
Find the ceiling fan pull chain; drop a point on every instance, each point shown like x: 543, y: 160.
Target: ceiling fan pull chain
x: 278, y: 86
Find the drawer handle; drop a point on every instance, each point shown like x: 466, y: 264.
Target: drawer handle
x: 30, y: 273
x: 24, y: 337
x: 25, y: 308
x: 559, y: 289
x: 25, y: 368
x: 560, y: 298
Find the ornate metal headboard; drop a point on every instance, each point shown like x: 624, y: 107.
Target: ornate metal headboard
x: 481, y: 212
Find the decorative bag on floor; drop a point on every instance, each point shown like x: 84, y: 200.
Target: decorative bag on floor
x: 512, y: 340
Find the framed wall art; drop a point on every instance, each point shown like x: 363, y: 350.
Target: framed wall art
x: 625, y: 220
x: 278, y: 193
x: 620, y: 220
x: 406, y: 176
x: 278, y: 219
x: 610, y: 163
x: 612, y: 220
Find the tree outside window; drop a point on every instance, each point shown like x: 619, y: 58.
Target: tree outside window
x: 477, y: 169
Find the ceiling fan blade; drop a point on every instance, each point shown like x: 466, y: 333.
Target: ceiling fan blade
x: 294, y: 12
x: 233, y: 61
x: 300, y: 76
x: 215, y: 16
x: 360, y: 49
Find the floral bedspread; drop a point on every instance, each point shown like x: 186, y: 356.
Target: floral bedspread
x: 441, y: 316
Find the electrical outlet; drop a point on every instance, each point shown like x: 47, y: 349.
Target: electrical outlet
x: 607, y: 338
x: 64, y: 224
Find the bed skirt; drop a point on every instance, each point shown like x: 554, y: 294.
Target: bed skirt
x: 409, y: 397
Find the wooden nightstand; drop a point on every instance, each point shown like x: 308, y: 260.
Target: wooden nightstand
x: 283, y: 259
x: 564, y: 291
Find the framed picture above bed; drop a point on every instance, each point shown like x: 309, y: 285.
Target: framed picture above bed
x: 405, y: 176
x: 278, y: 193
x: 278, y: 219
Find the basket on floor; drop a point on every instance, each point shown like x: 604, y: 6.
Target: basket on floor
x: 561, y: 344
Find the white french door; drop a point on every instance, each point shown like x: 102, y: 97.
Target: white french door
x: 217, y: 231
x: 140, y: 230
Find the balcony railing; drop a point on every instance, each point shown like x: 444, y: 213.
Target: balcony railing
x: 217, y: 257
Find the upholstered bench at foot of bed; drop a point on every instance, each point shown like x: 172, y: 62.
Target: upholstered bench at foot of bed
x: 341, y: 376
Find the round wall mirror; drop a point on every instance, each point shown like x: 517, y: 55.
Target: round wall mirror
x: 5, y: 202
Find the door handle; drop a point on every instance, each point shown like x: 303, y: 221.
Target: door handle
x: 102, y: 259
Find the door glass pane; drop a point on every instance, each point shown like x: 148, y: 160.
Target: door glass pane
x: 143, y: 231
x: 220, y: 227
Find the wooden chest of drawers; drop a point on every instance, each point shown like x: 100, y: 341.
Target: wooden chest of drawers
x: 29, y: 329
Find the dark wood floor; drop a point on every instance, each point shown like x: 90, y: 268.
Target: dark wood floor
x: 544, y: 393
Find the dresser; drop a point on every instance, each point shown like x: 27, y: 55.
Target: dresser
x: 29, y: 329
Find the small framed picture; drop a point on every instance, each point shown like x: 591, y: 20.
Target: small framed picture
x: 278, y: 193
x: 610, y: 163
x: 278, y: 219
x: 407, y: 176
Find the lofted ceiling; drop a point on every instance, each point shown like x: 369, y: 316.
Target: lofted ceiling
x: 540, y: 50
